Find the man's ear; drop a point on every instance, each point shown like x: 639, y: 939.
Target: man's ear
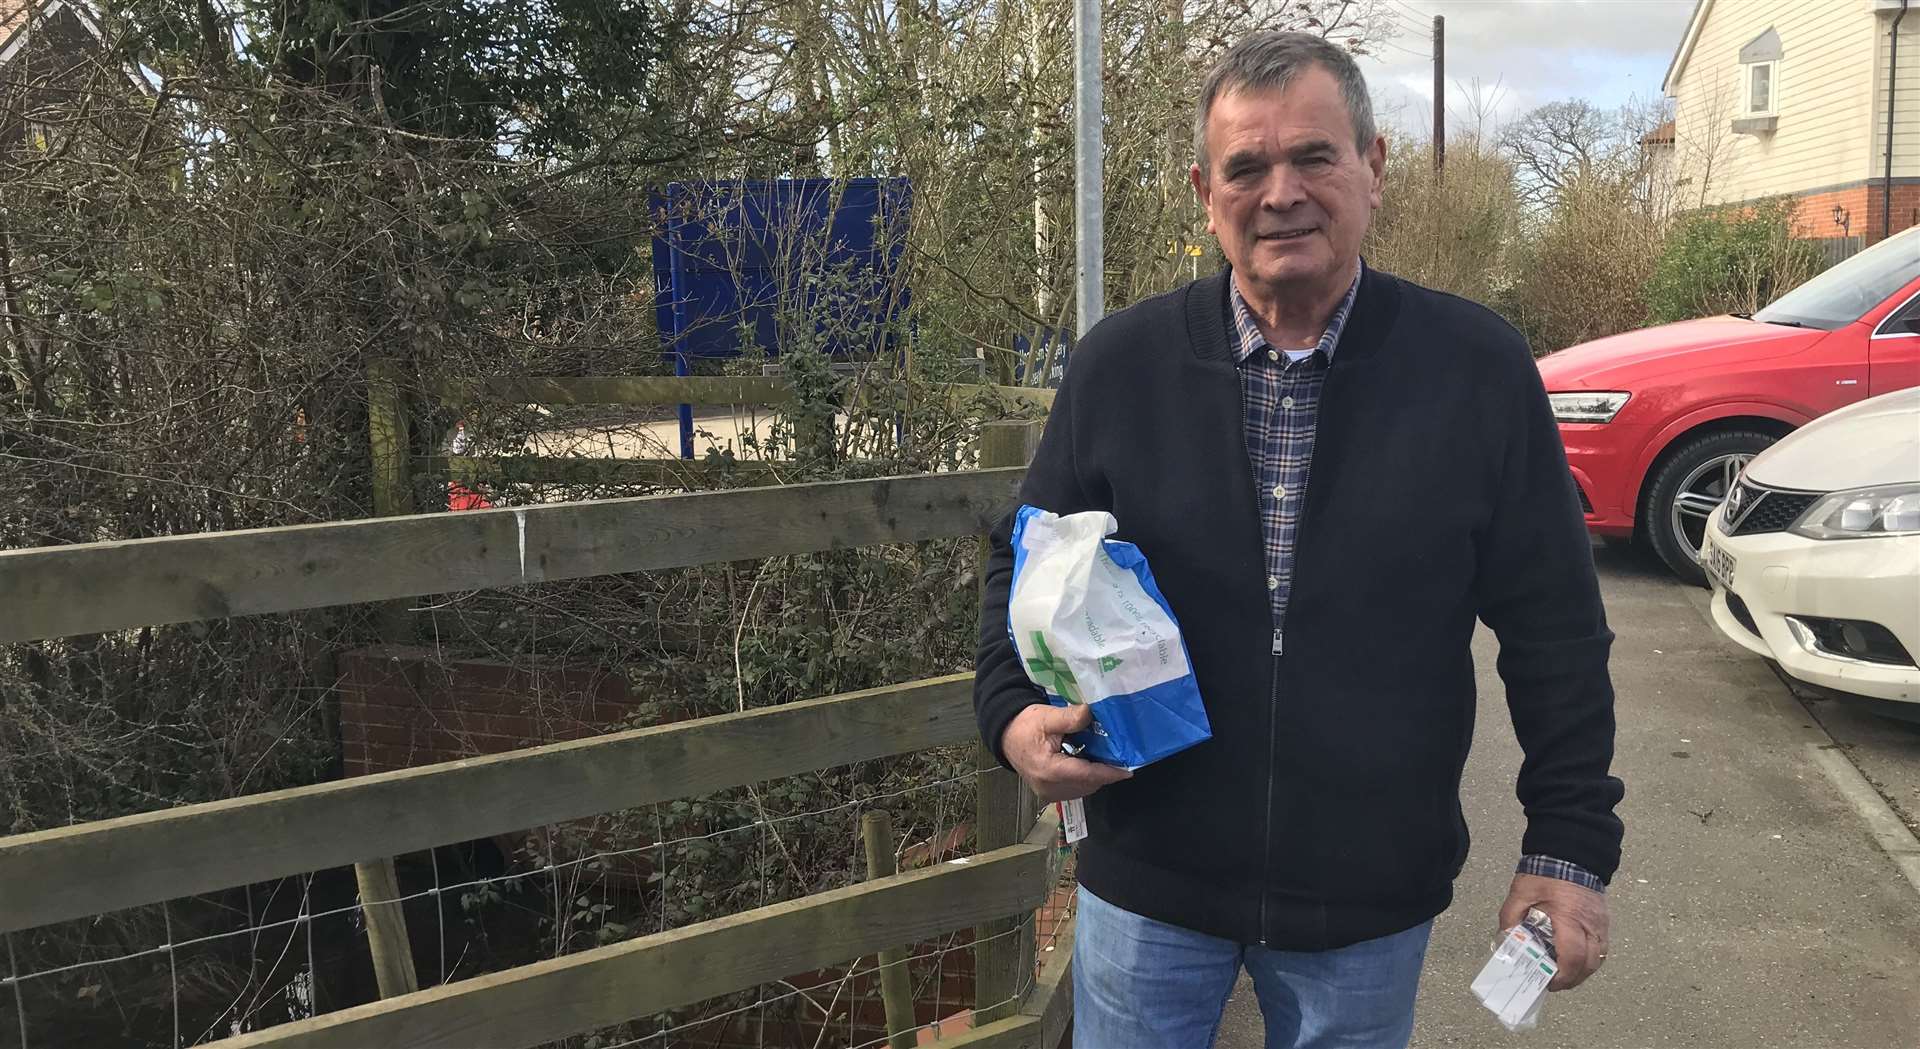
x: 1377, y: 163
x: 1203, y: 190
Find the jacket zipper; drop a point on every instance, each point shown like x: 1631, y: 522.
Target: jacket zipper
x: 1273, y: 691
x: 1273, y: 739
x: 1279, y: 635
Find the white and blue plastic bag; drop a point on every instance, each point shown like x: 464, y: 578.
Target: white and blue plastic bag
x: 1091, y: 627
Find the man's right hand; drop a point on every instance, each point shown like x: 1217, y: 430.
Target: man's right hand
x: 1032, y: 746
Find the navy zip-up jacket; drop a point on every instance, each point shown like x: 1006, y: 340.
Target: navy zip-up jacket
x: 1325, y: 810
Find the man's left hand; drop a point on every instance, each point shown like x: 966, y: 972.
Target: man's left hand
x: 1579, y: 924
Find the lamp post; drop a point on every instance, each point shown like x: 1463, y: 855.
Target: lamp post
x: 1089, y: 227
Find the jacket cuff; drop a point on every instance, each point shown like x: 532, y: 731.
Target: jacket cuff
x: 1592, y: 848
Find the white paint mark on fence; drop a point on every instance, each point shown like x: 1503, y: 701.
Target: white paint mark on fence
x: 520, y: 518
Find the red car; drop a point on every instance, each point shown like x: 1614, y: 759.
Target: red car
x: 1659, y: 422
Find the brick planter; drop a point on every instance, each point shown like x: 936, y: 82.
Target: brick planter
x: 403, y: 707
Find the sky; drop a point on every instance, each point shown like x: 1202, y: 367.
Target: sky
x: 1522, y: 53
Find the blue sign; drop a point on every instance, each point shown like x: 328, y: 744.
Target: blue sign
x: 732, y: 259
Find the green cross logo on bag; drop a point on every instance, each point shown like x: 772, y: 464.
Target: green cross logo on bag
x: 1051, y: 672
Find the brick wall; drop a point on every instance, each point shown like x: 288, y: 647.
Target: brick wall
x: 1813, y: 219
x: 1906, y: 209
x: 402, y: 707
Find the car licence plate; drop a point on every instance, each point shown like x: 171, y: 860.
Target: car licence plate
x: 1719, y: 564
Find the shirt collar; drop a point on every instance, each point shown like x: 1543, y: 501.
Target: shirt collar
x: 1248, y: 330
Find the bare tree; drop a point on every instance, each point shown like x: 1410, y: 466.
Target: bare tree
x: 1703, y: 140
x: 1648, y: 124
x: 1561, y: 144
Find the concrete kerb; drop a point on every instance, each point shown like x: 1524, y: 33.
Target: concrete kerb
x: 1888, y: 830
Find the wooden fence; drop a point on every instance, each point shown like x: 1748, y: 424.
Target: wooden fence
x: 655, y: 391
x: 92, y: 868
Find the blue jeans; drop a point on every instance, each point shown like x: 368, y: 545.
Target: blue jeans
x: 1143, y: 984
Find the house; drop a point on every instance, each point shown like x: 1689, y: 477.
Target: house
x: 1792, y: 97
x: 52, y: 53
x: 1656, y: 176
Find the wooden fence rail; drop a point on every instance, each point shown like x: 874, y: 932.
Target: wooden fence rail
x: 390, y: 460
x: 1043, y: 1017
x: 88, y: 869
x: 717, y: 391
x: 71, y: 872
x: 534, y: 1003
x: 615, y: 389
x: 96, y: 587
x: 581, y: 469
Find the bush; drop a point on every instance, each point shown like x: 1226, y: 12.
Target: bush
x: 1732, y: 260
x: 1583, y: 268
x: 1453, y: 234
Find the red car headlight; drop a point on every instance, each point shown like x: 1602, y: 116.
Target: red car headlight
x: 1586, y: 407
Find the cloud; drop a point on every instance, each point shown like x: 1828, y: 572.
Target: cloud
x: 1523, y: 53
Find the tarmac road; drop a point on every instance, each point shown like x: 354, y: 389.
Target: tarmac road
x: 1753, y: 908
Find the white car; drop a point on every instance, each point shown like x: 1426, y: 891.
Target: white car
x: 1815, y: 555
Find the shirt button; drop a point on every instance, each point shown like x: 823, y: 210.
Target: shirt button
x: 1273, y: 355
x: 1273, y: 582
x: 1286, y: 402
x: 1279, y: 491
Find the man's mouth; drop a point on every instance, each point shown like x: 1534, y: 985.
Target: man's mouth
x: 1291, y: 234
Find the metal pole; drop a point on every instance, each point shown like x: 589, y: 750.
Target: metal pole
x: 1089, y: 227
x: 1893, y: 73
x: 1439, y: 96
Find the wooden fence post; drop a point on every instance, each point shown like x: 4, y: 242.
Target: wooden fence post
x: 388, y: 433
x: 386, y: 927
x: 388, y: 440
x: 896, y: 984
x: 1003, y: 952
x: 391, y: 456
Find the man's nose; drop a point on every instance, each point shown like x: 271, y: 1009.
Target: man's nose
x: 1283, y: 189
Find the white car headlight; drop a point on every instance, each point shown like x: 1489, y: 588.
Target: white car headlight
x: 1587, y: 407
x: 1863, y: 512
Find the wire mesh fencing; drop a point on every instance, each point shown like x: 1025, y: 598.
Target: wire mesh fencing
x: 277, y: 952
x: 840, y: 1021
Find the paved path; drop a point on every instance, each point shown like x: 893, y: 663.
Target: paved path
x: 1753, y: 908
x: 1887, y: 752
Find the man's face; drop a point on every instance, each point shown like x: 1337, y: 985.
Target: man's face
x: 1289, y: 195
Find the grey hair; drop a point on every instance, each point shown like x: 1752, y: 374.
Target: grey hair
x: 1268, y: 61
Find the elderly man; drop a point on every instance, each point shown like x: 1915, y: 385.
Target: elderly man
x: 1333, y: 472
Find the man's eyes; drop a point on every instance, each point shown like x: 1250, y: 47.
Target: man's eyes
x: 1314, y: 162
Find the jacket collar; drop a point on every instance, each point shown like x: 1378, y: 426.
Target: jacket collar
x: 1210, y: 318
x: 1246, y: 330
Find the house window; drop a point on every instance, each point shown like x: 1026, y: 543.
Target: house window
x: 1760, y: 76
x: 1760, y: 89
